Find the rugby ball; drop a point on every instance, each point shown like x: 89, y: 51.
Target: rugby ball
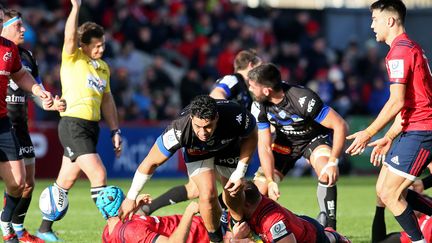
x: 53, y: 203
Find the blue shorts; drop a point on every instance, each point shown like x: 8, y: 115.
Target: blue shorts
x: 9, y: 146
x: 410, y: 154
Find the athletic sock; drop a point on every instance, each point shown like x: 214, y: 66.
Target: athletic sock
x: 379, y: 230
x: 409, y: 223
x: 46, y: 226
x: 327, y: 196
x: 419, y: 202
x: 216, y: 236
x: 10, y: 203
x: 21, y: 210
x: 94, y: 192
x: 172, y: 196
x: 19, y: 229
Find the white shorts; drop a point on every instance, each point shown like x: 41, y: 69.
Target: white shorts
x: 197, y: 167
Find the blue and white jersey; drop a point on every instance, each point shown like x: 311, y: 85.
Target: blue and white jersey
x: 236, y: 89
x: 297, y: 118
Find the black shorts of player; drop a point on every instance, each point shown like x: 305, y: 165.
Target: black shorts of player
x: 9, y: 146
x: 286, y: 155
x: 24, y: 140
x: 227, y: 156
x: 321, y: 237
x: 78, y: 136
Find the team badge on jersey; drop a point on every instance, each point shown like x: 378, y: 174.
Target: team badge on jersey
x: 169, y: 139
x: 396, y: 68
x: 278, y: 230
x: 7, y: 56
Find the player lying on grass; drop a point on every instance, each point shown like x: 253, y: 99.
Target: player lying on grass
x: 274, y: 223
x: 175, y: 228
x: 379, y: 231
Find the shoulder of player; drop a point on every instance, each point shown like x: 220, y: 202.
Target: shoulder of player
x: 6, y: 43
x: 228, y: 106
x: 228, y: 79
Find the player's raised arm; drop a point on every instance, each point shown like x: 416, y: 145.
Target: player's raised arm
x: 71, y: 27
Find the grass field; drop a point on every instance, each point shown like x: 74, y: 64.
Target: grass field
x: 356, y: 205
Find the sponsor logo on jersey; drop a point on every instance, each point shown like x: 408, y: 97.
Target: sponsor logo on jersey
x: 15, y: 99
x: 395, y: 160
x: 192, y: 151
x: 169, y: 139
x: 70, y: 152
x: 302, y: 100
x: 396, y: 68
x: 230, y: 161
x: 4, y: 73
x: 311, y: 104
x: 278, y: 230
x: 96, y: 83
x: 225, y: 141
x: 27, y: 149
x: 7, y: 56
x: 239, y: 118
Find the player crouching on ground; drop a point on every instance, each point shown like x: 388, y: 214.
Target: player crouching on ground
x: 274, y: 223
x: 174, y: 228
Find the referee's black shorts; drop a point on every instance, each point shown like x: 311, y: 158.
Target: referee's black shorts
x: 78, y: 136
x: 9, y: 146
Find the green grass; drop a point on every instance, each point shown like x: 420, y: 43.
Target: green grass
x: 356, y: 205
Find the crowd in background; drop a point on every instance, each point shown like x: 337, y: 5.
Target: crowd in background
x: 163, y: 53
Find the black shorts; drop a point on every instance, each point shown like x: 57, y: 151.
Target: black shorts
x: 78, y: 136
x: 227, y: 156
x: 9, y: 146
x: 285, y: 155
x: 321, y: 237
x: 24, y: 140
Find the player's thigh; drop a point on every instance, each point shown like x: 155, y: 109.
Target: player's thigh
x: 192, y: 189
x: 202, y: 173
x: 78, y: 137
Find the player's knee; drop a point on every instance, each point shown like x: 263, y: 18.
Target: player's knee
x: 29, y: 186
x: 192, y: 190
x: 207, y: 197
x: 386, y: 196
x: 15, y: 187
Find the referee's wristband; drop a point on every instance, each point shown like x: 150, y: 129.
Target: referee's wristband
x: 427, y: 182
x: 115, y: 131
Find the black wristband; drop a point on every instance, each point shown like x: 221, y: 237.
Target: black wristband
x: 115, y: 131
x: 427, y: 182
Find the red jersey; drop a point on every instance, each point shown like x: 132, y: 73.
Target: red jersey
x: 146, y: 229
x: 10, y: 62
x: 272, y: 222
x: 407, y: 64
x: 425, y: 223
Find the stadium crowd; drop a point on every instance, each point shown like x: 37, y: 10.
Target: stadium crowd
x: 163, y: 53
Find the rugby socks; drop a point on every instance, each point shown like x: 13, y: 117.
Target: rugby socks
x: 216, y: 236
x: 10, y: 203
x: 427, y: 182
x: 327, y: 196
x: 19, y: 215
x: 46, y: 225
x: 419, y: 202
x: 94, y: 191
x: 409, y: 223
x: 379, y: 230
x: 174, y: 195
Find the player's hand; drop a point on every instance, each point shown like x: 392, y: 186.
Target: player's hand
x: 332, y: 174
x: 127, y: 209
x: 193, y: 207
x: 234, y: 187
x: 117, y: 142
x: 76, y: 3
x: 358, y: 146
x: 59, y: 104
x: 418, y: 186
x: 273, y: 190
x: 241, y: 230
x: 143, y: 199
x: 381, y: 147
